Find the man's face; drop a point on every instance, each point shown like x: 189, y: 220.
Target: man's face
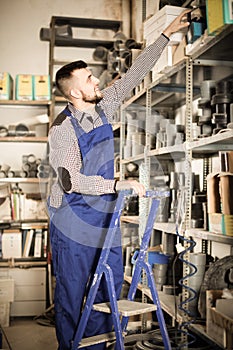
x: 88, y: 85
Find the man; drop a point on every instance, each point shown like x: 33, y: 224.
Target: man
x: 83, y: 197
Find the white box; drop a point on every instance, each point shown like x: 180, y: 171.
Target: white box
x: 164, y: 61
x: 11, y: 244
x: 5, y: 314
x: 30, y: 290
x: 154, y: 26
x: 6, y: 289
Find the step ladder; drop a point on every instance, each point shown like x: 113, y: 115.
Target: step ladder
x: 121, y: 310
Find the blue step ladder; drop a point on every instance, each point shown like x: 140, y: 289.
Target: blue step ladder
x: 121, y: 310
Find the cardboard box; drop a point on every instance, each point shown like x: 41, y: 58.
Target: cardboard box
x: 218, y: 326
x: 24, y: 87
x: 216, y: 223
x: 228, y: 11
x: 230, y: 161
x: 213, y: 195
x: 212, y: 329
x: 6, y: 289
x: 219, y: 13
x: 154, y: 26
x: 41, y: 87
x: 11, y: 244
x: 6, y: 86
x: 226, y: 190
x: 5, y: 314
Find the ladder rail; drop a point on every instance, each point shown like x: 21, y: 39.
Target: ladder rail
x: 100, y: 269
x: 104, y: 268
x: 139, y: 266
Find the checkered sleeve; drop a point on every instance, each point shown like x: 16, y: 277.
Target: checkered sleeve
x: 117, y: 92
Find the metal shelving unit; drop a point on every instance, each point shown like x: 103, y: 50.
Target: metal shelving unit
x: 168, y: 91
x: 58, y: 41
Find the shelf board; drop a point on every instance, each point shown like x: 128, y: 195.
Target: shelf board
x: 175, y: 151
x: 23, y: 180
x: 130, y: 219
x: 217, y: 46
x: 24, y: 103
x: 167, y: 301
x: 222, y: 141
x: 24, y: 139
x: 168, y: 227
x: 86, y: 22
x: 40, y: 223
x: 57, y: 62
x: 132, y: 159
x: 30, y: 262
x: 84, y: 43
x: 207, y: 235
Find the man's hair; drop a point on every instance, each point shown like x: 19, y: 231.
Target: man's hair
x: 65, y: 73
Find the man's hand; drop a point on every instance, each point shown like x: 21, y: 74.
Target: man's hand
x: 134, y: 185
x: 180, y: 22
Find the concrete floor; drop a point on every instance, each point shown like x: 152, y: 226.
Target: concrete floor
x: 26, y: 334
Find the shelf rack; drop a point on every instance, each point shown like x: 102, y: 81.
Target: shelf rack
x: 198, y: 56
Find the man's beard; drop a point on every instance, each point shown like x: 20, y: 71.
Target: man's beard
x: 95, y: 99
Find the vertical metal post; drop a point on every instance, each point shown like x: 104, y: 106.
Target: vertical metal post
x: 51, y: 67
x: 188, y: 183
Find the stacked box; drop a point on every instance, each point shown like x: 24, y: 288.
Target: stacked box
x: 24, y: 87
x: 219, y: 13
x: 218, y: 325
x: 6, y: 86
x: 154, y: 26
x: 41, y: 87
x: 228, y: 11
x: 11, y: 244
x: 6, y: 297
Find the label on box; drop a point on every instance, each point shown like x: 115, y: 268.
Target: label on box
x: 41, y: 84
x: 24, y: 88
x: 11, y: 244
x: 6, y: 86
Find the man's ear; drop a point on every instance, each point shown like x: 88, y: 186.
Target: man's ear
x: 75, y: 93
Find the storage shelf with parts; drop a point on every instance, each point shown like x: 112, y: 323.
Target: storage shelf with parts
x: 84, y: 23
x: 169, y: 227
x: 173, y: 91
x: 23, y: 219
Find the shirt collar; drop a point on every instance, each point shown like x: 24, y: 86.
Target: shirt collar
x: 75, y: 112
x: 79, y: 114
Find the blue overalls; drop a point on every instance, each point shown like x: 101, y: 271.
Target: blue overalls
x: 77, y: 231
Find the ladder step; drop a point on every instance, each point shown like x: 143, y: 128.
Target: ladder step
x: 126, y: 307
x: 97, y: 339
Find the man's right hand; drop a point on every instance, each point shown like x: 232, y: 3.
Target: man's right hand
x: 134, y: 185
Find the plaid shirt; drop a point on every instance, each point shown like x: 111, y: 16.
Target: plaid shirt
x: 64, y: 149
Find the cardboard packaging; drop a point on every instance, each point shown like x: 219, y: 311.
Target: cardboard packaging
x: 41, y: 87
x: 219, y: 13
x: 213, y: 195
x: 154, y: 26
x: 226, y: 190
x: 6, y: 86
x: 218, y: 325
x: 24, y: 87
x: 11, y: 244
